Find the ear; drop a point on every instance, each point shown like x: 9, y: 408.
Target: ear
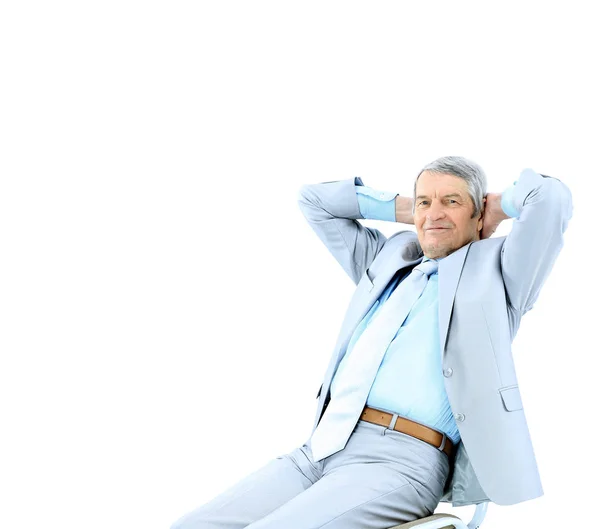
x: 481, y: 216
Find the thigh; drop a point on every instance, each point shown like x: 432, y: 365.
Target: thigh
x: 255, y: 496
x: 377, y: 481
x: 363, y: 496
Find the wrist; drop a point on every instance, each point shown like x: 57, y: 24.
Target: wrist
x: 498, y: 210
x: 507, y: 202
x: 404, y: 207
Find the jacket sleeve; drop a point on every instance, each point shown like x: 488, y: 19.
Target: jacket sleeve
x: 544, y: 206
x: 332, y: 210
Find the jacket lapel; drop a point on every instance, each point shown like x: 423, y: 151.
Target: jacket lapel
x: 449, y: 272
x: 372, y: 284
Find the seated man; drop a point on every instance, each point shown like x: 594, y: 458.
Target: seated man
x: 420, y: 402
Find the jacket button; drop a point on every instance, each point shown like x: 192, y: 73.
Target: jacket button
x: 448, y: 372
x: 459, y: 417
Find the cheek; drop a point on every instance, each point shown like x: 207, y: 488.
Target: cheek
x: 468, y: 226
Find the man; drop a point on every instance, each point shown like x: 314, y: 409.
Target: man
x: 420, y: 402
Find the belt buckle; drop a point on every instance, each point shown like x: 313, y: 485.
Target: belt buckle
x: 443, y: 445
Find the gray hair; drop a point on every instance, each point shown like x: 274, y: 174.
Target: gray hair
x: 468, y: 170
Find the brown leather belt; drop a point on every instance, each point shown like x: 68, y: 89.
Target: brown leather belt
x: 437, y: 439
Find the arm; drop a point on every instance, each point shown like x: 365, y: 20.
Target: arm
x: 332, y: 209
x: 383, y: 205
x: 543, y: 207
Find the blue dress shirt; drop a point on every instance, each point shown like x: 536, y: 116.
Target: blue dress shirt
x: 409, y: 381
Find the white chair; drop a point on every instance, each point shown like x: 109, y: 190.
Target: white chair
x: 447, y: 521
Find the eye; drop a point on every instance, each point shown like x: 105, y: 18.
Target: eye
x: 453, y: 201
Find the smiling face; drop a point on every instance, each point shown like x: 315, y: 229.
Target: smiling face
x: 443, y: 209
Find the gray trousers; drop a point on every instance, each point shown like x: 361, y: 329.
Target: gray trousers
x: 380, y: 479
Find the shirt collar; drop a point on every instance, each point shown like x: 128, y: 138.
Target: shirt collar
x: 429, y: 259
x: 438, y: 262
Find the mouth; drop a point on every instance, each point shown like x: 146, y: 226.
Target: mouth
x: 437, y: 229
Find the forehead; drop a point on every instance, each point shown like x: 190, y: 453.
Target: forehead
x: 434, y: 184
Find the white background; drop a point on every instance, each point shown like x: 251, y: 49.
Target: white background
x: 167, y: 314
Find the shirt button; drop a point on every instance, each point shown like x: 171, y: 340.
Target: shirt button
x: 448, y: 372
x: 459, y: 417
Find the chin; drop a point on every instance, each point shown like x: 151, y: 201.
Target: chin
x: 436, y: 253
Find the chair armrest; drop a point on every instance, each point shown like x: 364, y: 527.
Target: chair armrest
x: 435, y: 521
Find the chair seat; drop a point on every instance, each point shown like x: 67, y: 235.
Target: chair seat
x: 430, y: 519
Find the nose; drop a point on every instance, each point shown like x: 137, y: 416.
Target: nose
x: 435, y: 211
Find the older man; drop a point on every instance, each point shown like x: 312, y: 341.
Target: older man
x: 420, y: 402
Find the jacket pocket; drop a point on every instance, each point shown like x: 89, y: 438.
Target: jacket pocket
x: 511, y: 398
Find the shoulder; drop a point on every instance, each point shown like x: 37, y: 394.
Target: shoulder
x: 405, y: 242
x: 402, y: 238
x: 489, y: 248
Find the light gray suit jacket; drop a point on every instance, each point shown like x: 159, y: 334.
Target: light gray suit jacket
x: 485, y: 287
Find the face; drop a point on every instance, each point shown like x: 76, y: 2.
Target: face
x: 443, y: 210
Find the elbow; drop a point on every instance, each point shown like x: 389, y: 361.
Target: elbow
x: 306, y: 198
x: 301, y: 194
x: 554, y: 199
x: 560, y: 200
